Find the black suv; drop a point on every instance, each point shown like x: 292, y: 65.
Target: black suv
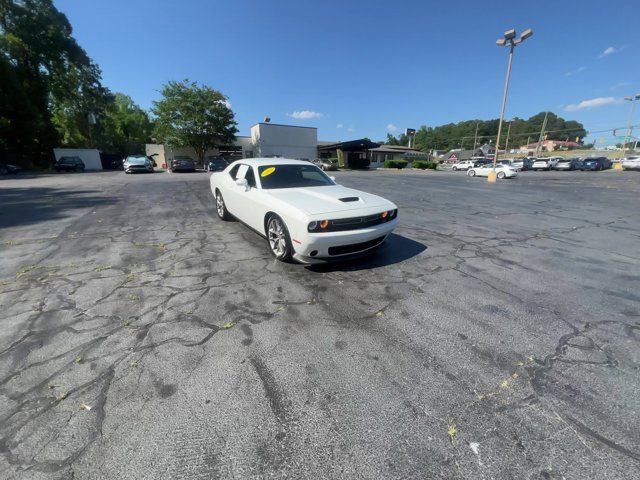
x: 69, y: 164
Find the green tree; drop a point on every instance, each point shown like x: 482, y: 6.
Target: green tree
x: 48, y: 74
x: 194, y: 116
x: 126, y: 127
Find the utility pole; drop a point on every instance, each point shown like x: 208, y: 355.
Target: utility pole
x: 506, y: 144
x: 475, y: 140
x: 544, y: 126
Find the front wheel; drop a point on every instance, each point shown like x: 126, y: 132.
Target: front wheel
x: 471, y: 173
x: 279, y: 240
x: 221, y: 208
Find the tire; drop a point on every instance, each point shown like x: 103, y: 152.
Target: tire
x: 471, y: 173
x: 501, y: 175
x: 455, y: 169
x: 278, y: 239
x: 221, y: 207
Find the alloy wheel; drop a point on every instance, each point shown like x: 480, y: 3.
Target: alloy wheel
x: 277, y: 238
x: 220, y: 205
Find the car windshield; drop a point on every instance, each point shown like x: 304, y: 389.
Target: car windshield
x: 136, y: 158
x: 292, y: 176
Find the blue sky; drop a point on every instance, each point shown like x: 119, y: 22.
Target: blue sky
x: 362, y: 68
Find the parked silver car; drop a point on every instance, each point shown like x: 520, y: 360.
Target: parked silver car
x: 568, y: 164
x: 325, y: 164
x: 138, y: 163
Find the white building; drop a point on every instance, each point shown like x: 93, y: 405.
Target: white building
x: 90, y: 156
x: 266, y: 140
x: 274, y: 140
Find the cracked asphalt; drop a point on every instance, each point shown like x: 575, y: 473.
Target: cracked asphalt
x: 495, y: 335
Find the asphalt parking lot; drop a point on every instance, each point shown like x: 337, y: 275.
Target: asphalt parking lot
x: 495, y: 335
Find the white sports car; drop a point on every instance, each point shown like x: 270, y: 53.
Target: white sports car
x: 301, y: 211
x: 502, y: 171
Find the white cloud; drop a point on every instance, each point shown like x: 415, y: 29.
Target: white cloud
x: 577, y: 70
x: 620, y: 85
x: 351, y: 129
x: 340, y: 125
x: 305, y: 114
x: 392, y: 128
x: 591, y: 103
x: 609, y: 51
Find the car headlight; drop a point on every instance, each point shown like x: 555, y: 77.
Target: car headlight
x: 318, y: 226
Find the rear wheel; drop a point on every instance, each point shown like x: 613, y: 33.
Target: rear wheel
x: 278, y: 238
x: 455, y: 169
x: 471, y: 173
x: 221, y: 208
x: 501, y: 175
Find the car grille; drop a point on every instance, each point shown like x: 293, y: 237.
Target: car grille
x: 355, y: 247
x: 357, y: 223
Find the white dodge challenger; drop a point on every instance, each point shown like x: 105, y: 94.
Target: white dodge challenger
x: 301, y: 211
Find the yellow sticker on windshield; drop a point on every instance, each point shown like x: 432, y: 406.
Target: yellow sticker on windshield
x: 268, y: 171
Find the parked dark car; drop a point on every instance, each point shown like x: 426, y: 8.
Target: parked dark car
x: 597, y: 163
x: 183, y: 164
x: 216, y: 164
x: 481, y: 163
x: 7, y: 168
x: 69, y: 164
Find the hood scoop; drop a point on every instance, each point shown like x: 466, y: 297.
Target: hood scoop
x: 349, y: 199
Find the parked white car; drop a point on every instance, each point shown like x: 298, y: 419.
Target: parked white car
x: 631, y: 163
x: 463, y: 166
x: 502, y: 171
x: 547, y: 163
x: 300, y: 210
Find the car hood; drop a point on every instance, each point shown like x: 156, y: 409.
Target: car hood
x: 317, y: 200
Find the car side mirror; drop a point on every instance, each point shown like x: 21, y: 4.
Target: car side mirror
x: 242, y: 182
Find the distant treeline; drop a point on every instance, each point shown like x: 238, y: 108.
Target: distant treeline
x: 463, y: 134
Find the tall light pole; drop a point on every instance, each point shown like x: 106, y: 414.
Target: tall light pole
x: 509, y: 40
x: 631, y: 99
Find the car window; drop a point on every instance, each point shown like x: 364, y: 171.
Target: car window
x: 242, y: 171
x: 292, y: 176
x: 233, y: 172
x: 251, y: 178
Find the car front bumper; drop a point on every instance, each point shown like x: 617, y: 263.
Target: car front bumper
x: 137, y: 168
x: 336, y: 246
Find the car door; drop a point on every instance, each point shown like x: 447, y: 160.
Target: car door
x: 483, y: 170
x: 250, y: 200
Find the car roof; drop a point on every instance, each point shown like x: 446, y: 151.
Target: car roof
x: 258, y: 162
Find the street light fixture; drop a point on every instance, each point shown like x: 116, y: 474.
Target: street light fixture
x: 509, y: 40
x: 631, y: 99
